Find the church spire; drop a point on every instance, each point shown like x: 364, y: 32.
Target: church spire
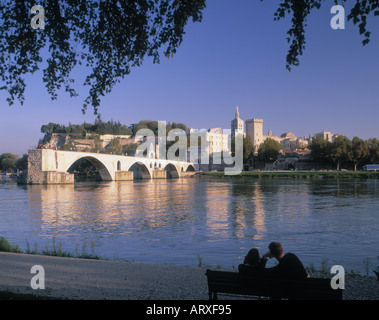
x: 237, y: 113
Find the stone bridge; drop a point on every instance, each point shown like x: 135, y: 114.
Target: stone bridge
x: 47, y: 166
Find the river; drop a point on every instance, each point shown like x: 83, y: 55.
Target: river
x: 200, y: 220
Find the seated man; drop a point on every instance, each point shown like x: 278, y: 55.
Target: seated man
x: 289, y: 267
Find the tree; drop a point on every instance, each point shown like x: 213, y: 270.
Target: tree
x: 248, y: 149
x: 51, y: 128
x: 340, y: 151
x: 114, y: 147
x: 178, y: 125
x: 130, y: 149
x: 321, y: 150
x: 97, y: 145
x: 8, y: 161
x: 22, y: 163
x: 301, y: 9
x: 359, y: 151
x: 269, y: 151
x: 373, y: 145
x: 110, y: 127
x: 145, y: 124
x: 109, y: 38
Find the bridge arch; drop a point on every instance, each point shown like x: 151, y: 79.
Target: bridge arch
x: 190, y: 168
x: 140, y: 171
x: 171, y: 171
x: 100, y: 167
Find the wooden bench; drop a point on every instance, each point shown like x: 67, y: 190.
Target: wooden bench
x: 238, y: 284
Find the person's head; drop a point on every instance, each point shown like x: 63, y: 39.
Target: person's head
x: 252, y: 258
x: 276, y: 249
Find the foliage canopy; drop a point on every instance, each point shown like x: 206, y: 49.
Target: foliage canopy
x: 345, y: 152
x: 108, y: 37
x: 300, y: 11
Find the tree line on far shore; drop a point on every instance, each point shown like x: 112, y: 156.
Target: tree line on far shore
x: 353, y: 153
x: 10, y: 162
x: 342, y: 152
x: 109, y: 127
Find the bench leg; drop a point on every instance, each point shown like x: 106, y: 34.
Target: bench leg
x: 212, y: 295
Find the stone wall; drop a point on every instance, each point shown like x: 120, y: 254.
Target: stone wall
x: 54, y: 177
x: 35, y: 175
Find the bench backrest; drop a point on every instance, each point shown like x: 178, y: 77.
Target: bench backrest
x: 236, y: 283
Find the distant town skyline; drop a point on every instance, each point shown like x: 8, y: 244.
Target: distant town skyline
x: 235, y: 56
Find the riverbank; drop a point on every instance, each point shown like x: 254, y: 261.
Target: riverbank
x: 298, y: 174
x: 85, y: 279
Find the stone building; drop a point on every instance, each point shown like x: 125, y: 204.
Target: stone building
x: 326, y: 135
x: 254, y: 128
x: 218, y: 140
x: 215, y: 140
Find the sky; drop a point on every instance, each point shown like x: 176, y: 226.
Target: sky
x: 235, y: 56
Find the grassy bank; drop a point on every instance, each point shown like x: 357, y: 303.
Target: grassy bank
x: 56, y: 250
x: 299, y: 174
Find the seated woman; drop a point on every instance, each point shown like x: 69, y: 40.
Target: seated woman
x: 252, y: 264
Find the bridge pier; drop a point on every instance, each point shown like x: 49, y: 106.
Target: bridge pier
x: 159, y: 174
x: 55, y: 177
x: 49, y: 177
x: 38, y: 174
x: 124, y: 176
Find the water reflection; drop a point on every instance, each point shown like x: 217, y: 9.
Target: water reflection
x: 216, y: 201
x: 171, y: 221
x: 259, y: 216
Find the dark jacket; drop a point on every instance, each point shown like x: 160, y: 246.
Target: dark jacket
x: 289, y: 267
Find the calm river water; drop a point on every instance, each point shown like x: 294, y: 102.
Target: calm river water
x: 214, y: 221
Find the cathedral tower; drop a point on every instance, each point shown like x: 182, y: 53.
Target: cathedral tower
x: 237, y: 124
x: 254, y: 128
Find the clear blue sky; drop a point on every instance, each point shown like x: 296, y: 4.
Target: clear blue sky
x: 236, y: 56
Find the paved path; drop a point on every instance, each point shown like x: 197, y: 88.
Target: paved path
x: 101, y: 279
